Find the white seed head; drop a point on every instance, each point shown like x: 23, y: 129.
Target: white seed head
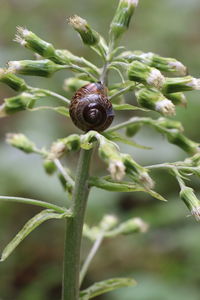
x: 108, y: 222
x: 146, y: 180
x: 141, y: 224
x: 196, y: 213
x: 14, y: 66
x: 194, y: 83
x: 156, y: 78
x: 117, y: 170
x: 178, y: 67
x: 131, y: 2
x: 165, y: 107
x: 57, y: 150
x: 77, y: 22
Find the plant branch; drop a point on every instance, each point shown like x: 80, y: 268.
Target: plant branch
x: 64, y: 173
x: 90, y: 257
x: 33, y: 202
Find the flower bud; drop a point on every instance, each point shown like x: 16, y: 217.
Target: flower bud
x: 154, y: 100
x: 57, y: 150
x: 133, y: 225
x: 131, y: 130
x: 16, y: 83
x: 142, y: 73
x: 72, y: 142
x: 122, y: 17
x: 88, y: 35
x: 21, y: 142
x: 44, y: 68
x: 177, y: 98
x: 191, y: 201
x: 180, y: 84
x: 136, y: 172
x: 21, y: 102
x: 169, y: 124
x: 178, y: 139
x: 31, y: 41
x: 108, y: 222
x: 49, y: 166
x: 165, y: 64
x: 116, y: 169
x: 73, y: 84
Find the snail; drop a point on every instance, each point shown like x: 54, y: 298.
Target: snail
x: 90, y: 108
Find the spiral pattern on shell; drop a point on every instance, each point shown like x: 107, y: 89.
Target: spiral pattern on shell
x: 90, y: 108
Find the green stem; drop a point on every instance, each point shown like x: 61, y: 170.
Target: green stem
x: 33, y: 202
x: 74, y: 229
x: 91, y: 255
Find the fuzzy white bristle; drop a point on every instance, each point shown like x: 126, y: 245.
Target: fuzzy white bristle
x: 141, y: 224
x: 178, y: 67
x: 14, y: 66
x: 77, y: 22
x: 196, y: 213
x: 117, y: 170
x: 132, y: 2
x: 194, y: 83
x: 156, y: 78
x: 165, y: 107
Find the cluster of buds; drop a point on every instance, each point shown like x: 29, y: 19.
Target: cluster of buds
x: 165, y: 64
x: 20, y: 141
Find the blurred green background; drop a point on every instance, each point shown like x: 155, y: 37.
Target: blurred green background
x: 164, y: 261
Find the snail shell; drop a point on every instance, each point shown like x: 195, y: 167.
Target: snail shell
x: 90, y: 108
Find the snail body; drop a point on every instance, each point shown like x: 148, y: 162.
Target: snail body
x: 90, y: 108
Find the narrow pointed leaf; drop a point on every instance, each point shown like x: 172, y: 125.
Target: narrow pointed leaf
x: 105, y: 286
x: 128, y: 107
x: 60, y: 109
x: 114, y: 136
x: 29, y: 227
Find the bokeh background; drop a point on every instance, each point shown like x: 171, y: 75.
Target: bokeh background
x: 165, y: 261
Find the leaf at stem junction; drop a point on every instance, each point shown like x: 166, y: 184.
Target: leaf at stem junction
x: 33, y: 223
x: 105, y: 286
x: 122, y: 186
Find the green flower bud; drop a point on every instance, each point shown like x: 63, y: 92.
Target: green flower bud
x: 154, y: 100
x: 191, y: 201
x: 132, y: 226
x: 137, y: 172
x: 177, y: 138
x: 21, y: 102
x: 142, y: 73
x: 31, y: 41
x: 169, y: 124
x: 177, y: 98
x: 72, y: 142
x: 21, y: 142
x: 165, y: 64
x: 122, y: 17
x: 131, y: 130
x: 16, y: 83
x: 44, y: 68
x: 108, y: 222
x: 88, y: 35
x: 49, y: 166
x: 180, y: 84
x: 73, y: 84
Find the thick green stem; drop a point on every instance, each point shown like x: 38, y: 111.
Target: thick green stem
x: 74, y: 229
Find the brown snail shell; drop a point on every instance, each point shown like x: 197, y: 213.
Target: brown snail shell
x: 90, y: 108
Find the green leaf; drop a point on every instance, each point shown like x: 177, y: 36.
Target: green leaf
x: 62, y: 110
x: 114, y: 136
x: 122, y: 186
x: 105, y: 286
x: 128, y: 107
x: 29, y: 227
